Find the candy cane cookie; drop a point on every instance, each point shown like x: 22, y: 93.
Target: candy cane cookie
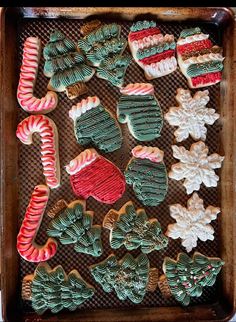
x: 28, y: 75
x: 26, y: 245
x: 49, y: 144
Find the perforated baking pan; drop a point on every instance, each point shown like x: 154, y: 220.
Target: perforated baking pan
x: 21, y: 169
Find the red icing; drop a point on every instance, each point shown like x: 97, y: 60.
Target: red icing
x: 143, y: 33
x: 101, y: 179
x: 157, y: 57
x: 194, y: 46
x: 206, y: 78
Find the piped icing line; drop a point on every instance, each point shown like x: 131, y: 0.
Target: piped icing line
x: 148, y: 152
x: 28, y: 75
x: 152, y: 40
x: 138, y: 89
x: 136, y: 35
x: 160, y: 68
x: 202, y: 59
x: 26, y: 245
x: 49, y: 144
x: 210, y: 78
x: 157, y: 57
x: 192, y: 38
x: 197, y: 45
x: 83, y: 106
x: 81, y: 161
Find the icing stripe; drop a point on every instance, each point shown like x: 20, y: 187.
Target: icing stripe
x: 26, y: 246
x: 138, y: 89
x: 193, y: 38
x: 197, y: 45
x: 82, y: 160
x: 143, y: 33
x: 152, y: 41
x: 28, y: 75
x: 210, y: 78
x: 214, y: 49
x: 83, y: 106
x: 157, y: 57
x: 49, y: 145
x: 161, y: 68
x: 148, y: 152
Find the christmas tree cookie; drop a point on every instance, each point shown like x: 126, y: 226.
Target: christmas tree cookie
x: 146, y: 172
x: 75, y: 226
x: 200, y: 61
x: 129, y: 277
x: 133, y: 229
x: 139, y: 108
x: 103, y: 48
x: 152, y: 51
x: 192, y: 223
x: 93, y: 175
x: 95, y: 124
x: 65, y: 66
x: 186, y: 277
x: 51, y: 289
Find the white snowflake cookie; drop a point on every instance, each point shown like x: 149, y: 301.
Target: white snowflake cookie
x: 191, y: 115
x: 195, y: 166
x: 192, y: 223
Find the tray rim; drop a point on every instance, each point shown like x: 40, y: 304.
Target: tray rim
x: 214, y: 311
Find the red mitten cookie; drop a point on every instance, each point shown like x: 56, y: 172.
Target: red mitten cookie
x: 94, y: 176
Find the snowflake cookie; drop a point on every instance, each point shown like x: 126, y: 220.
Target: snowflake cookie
x: 192, y: 223
x: 195, y: 166
x: 191, y: 115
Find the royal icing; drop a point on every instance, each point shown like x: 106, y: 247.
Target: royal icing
x: 28, y: 75
x: 82, y: 160
x: 138, y: 89
x: 26, y: 245
x: 148, y: 152
x: 83, y: 106
x: 49, y: 144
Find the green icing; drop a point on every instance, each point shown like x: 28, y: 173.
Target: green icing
x: 97, y: 126
x: 74, y: 226
x: 62, y: 62
x: 127, y: 277
x: 143, y: 115
x: 140, y: 25
x: 113, y: 69
x: 149, y: 180
x: 187, y: 277
x: 147, y: 52
x: 133, y: 229
x: 204, y: 68
x: 189, y: 32
x: 54, y: 290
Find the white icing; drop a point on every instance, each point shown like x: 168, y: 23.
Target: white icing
x: 195, y: 166
x: 83, y: 106
x: 151, y: 41
x: 81, y: 161
x: 192, y: 223
x: 202, y: 59
x: 191, y: 115
x: 148, y: 152
x: 161, y: 68
x: 138, y: 89
x: 190, y: 39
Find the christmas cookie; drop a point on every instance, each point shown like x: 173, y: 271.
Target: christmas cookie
x: 49, y: 147
x: 103, y: 48
x: 133, y: 229
x: 186, y: 277
x: 129, y: 277
x: 200, y: 61
x: 152, y: 51
x: 54, y: 290
x: 95, y: 124
x: 146, y: 172
x: 28, y: 76
x: 195, y: 166
x: 26, y: 245
x: 191, y: 115
x: 91, y: 175
x: 75, y: 226
x: 65, y: 66
x: 139, y: 108
x: 192, y: 223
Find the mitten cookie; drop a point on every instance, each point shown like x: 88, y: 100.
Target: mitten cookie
x: 28, y: 76
x: 133, y: 229
x: 200, y: 61
x: 65, y: 66
x: 54, y: 290
x: 186, y: 277
x: 139, y: 108
x: 93, y: 175
x: 146, y: 172
x: 152, y: 51
x: 95, y: 124
x: 75, y: 226
x: 129, y: 277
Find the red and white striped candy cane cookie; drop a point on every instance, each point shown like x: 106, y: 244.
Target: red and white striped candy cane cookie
x: 28, y: 75
x: 49, y: 146
x: 26, y: 245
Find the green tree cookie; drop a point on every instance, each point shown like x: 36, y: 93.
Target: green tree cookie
x: 54, y: 290
x: 133, y: 229
x: 130, y: 277
x: 75, y: 226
